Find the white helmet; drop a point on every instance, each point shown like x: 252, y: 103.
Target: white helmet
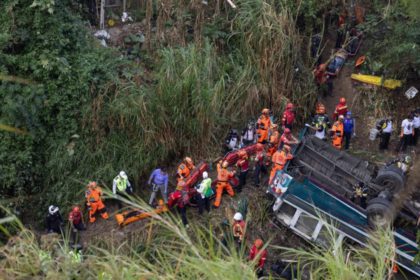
x: 53, y: 209
x: 205, y: 175
x: 123, y: 175
x: 238, y: 216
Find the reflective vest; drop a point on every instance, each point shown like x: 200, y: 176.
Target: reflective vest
x: 121, y: 184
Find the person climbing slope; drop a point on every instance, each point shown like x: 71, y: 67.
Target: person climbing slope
x: 223, y: 177
x: 263, y: 125
x: 159, y: 181
x: 121, y: 187
x: 185, y: 168
x: 288, y: 117
x: 94, y: 202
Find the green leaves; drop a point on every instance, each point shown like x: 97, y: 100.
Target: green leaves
x: 44, y: 5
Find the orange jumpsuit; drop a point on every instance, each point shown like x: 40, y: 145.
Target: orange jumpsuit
x: 184, y: 171
x: 337, y: 138
x: 238, y: 230
x: 95, y: 204
x: 264, y: 123
x: 279, y: 159
x: 223, y: 176
x: 274, y: 142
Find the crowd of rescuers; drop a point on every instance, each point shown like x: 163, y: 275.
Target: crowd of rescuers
x: 274, y: 150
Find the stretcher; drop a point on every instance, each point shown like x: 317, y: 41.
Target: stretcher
x: 337, y: 63
x: 135, y: 215
x: 377, y: 81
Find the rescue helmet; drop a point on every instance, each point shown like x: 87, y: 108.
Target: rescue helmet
x: 258, y: 243
x: 342, y: 100
x: 205, y: 175
x: 242, y: 154
x: 76, y: 209
x: 408, y: 159
x: 274, y: 126
x: 188, y: 160
x: 341, y: 117
x: 265, y: 111
x: 238, y: 216
x: 287, y: 131
x: 289, y: 106
x: 53, y: 209
x: 323, y: 67
x: 260, y: 147
x: 123, y: 175
x: 225, y: 164
x: 287, y: 148
x: 92, y: 184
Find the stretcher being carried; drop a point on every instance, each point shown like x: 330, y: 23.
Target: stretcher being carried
x: 135, y: 215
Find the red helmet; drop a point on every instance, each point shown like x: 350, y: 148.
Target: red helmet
x: 287, y: 131
x: 289, y: 106
x: 258, y: 243
x: 260, y: 147
x: 342, y: 100
x: 76, y: 209
x: 242, y: 154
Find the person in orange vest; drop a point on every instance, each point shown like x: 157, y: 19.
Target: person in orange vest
x: 223, y: 176
x: 288, y: 117
x: 94, y: 202
x: 238, y: 228
x: 260, y: 166
x: 263, y: 125
x: 341, y: 108
x: 274, y: 140
x: 185, y: 168
x: 243, y: 165
x: 259, y: 256
x: 287, y: 139
x: 279, y: 160
x: 338, y: 133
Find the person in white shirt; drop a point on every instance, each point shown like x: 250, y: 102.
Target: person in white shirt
x: 385, y: 131
x: 416, y: 124
x: 407, y: 133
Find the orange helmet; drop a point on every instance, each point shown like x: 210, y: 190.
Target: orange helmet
x: 265, y: 111
x: 258, y: 243
x: 287, y: 148
x: 92, y: 184
x: 188, y: 160
x: 323, y: 67
x: 342, y: 100
x: 225, y: 164
x: 242, y: 154
x: 76, y: 209
x: 260, y: 147
x: 320, y: 108
x: 289, y: 106
x: 287, y: 131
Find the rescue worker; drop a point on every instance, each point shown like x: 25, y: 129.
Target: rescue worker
x: 185, y: 168
x: 341, y: 29
x: 238, y: 229
x: 385, y: 130
x: 349, y: 126
x: 243, y: 166
x: 121, y: 187
x: 205, y: 192
x: 259, y: 256
x: 223, y: 176
x: 416, y: 125
x: 320, y: 122
x: 337, y: 132
x: 287, y: 139
x: 248, y: 135
x: 360, y: 193
x: 279, y: 160
x: 231, y: 141
x: 341, y: 108
x: 260, y: 165
x: 407, y: 133
x: 288, y: 117
x: 180, y: 198
x: 94, y: 202
x: 76, y: 219
x: 274, y: 140
x: 159, y: 181
x: 54, y: 220
x: 263, y: 125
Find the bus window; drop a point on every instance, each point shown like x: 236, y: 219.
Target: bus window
x: 286, y: 213
x: 306, y: 224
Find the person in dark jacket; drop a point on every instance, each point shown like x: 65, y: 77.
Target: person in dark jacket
x: 349, y: 129
x: 54, y: 221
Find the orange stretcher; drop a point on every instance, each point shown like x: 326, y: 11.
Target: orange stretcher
x: 135, y: 215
